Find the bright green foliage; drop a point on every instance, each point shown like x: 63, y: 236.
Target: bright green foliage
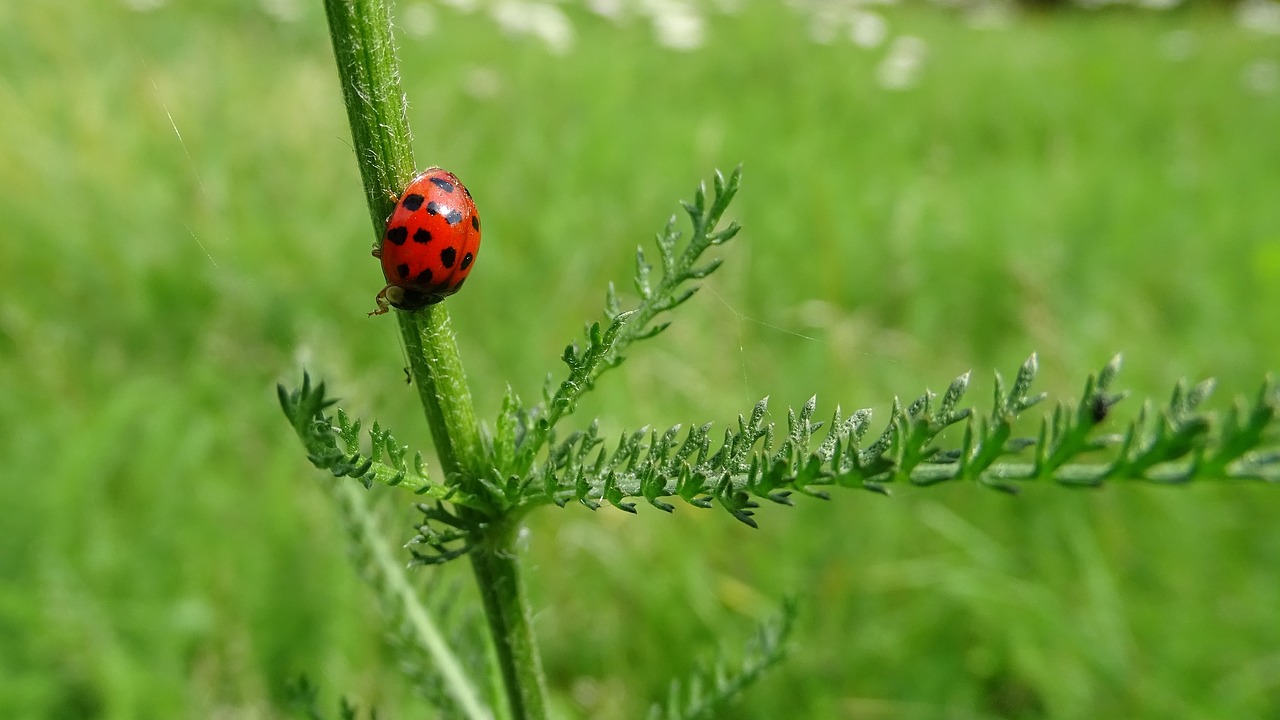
x: 757, y: 461
x: 426, y: 655
x: 336, y: 447
x: 523, y: 433
x: 492, y: 481
x: 1178, y: 444
x: 1120, y: 199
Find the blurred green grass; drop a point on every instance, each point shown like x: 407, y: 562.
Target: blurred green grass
x: 1063, y: 184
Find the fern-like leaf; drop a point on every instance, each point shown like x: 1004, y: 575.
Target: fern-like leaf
x: 302, y: 698
x: 1178, y: 444
x: 528, y: 431
x: 443, y: 664
x: 442, y: 535
x: 333, y: 444
x: 705, y: 692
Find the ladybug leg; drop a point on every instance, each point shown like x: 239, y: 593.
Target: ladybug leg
x: 377, y: 252
x: 381, y: 299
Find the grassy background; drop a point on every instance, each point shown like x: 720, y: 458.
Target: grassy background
x: 1062, y: 184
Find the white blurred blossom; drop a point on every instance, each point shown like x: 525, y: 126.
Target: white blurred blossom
x: 283, y: 10
x: 901, y: 66
x: 1261, y: 77
x: 611, y: 9
x: 830, y: 20
x: 418, y: 20
x: 676, y: 25
x: 824, y: 24
x: 482, y: 83
x: 1179, y: 45
x: 544, y: 21
x: 462, y: 6
x: 989, y: 15
x: 867, y: 29
x: 143, y: 5
x: 1261, y: 16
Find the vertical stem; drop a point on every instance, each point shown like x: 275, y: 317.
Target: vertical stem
x: 377, y: 111
x: 364, y: 50
x: 437, y: 371
x: 506, y: 607
x: 376, y: 106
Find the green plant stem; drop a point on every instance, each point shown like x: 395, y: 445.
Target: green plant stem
x: 437, y: 371
x: 365, y: 54
x: 376, y: 107
x: 507, y: 609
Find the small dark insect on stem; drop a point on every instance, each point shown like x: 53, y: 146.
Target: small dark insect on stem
x: 1099, y: 408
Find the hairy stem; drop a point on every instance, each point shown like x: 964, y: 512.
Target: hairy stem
x: 377, y: 111
x: 376, y: 107
x: 367, y: 67
x: 506, y: 607
x: 437, y: 371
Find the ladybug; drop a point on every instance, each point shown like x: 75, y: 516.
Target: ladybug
x: 430, y: 244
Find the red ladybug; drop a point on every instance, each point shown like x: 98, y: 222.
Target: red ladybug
x: 431, y: 242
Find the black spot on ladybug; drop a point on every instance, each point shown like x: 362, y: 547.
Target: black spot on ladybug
x: 475, y: 222
x: 412, y: 202
x: 422, y: 236
x: 458, y: 287
x: 433, y: 208
x: 424, y: 277
x: 403, y: 270
x: 397, y: 235
x: 454, y: 217
x: 443, y: 184
x: 447, y: 256
x: 466, y: 261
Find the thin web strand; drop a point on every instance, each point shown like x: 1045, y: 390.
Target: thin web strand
x: 740, y: 317
x: 185, y: 151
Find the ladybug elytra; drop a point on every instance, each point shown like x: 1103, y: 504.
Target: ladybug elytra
x: 431, y: 242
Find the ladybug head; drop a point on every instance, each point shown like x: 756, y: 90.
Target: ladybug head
x: 406, y: 299
x: 410, y: 299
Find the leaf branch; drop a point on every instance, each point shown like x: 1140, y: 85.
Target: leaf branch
x: 333, y: 444
x: 707, y: 691
x: 1177, y: 444
x: 428, y: 655
x: 606, y: 343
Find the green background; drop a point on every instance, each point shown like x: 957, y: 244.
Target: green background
x: 183, y: 227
